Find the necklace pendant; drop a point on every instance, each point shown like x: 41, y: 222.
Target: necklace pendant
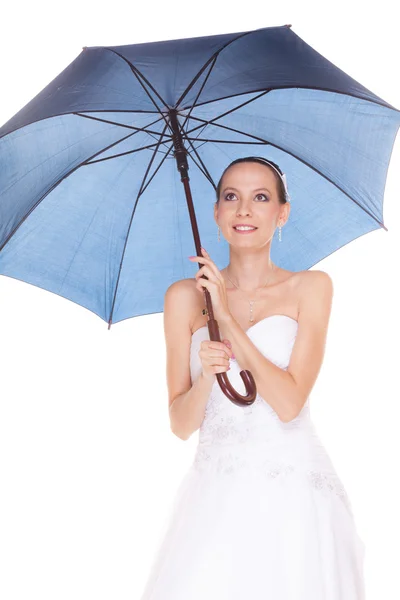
x: 251, y: 310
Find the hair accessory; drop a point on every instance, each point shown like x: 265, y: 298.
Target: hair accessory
x: 281, y: 175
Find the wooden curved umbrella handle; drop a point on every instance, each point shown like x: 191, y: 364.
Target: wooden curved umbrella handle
x: 222, y: 378
x: 232, y: 394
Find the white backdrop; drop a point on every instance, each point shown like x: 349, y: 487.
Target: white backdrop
x: 88, y: 465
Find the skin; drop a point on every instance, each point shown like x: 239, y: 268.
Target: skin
x: 249, y: 194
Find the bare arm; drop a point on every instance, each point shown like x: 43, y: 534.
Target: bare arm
x: 187, y: 410
x: 187, y: 402
x: 287, y: 391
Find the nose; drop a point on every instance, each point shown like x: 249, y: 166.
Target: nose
x: 243, y: 209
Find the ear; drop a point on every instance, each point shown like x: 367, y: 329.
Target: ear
x: 215, y: 212
x: 285, y: 212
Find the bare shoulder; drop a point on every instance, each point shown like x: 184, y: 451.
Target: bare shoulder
x: 315, y: 295
x: 180, y: 287
x: 179, y: 300
x: 305, y: 279
x: 315, y: 278
x: 310, y: 276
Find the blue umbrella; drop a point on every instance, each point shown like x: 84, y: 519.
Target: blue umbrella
x: 91, y: 207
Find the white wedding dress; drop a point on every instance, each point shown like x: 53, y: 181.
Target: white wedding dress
x: 261, y: 513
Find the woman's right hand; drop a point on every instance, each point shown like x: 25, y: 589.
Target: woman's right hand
x: 215, y: 357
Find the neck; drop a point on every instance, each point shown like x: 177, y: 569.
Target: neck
x: 250, y: 271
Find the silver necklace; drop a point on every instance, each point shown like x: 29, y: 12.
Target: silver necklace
x: 251, y: 302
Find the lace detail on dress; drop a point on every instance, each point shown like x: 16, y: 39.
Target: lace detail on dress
x: 224, y: 429
x: 227, y: 424
x: 227, y: 464
x: 231, y: 462
x: 328, y: 483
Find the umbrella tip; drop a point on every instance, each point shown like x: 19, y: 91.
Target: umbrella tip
x: 84, y: 47
x: 288, y: 25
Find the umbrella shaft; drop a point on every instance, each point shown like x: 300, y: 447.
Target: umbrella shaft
x: 181, y: 161
x: 179, y: 149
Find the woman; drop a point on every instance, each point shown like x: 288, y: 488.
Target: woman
x: 261, y: 514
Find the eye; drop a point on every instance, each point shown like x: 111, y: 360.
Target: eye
x: 227, y: 196
x: 262, y: 196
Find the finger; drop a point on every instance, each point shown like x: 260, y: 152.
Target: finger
x: 214, y: 356
x: 213, y: 345
x: 206, y: 270
x: 200, y: 259
x: 205, y: 256
x: 204, y: 283
x: 207, y: 261
x: 200, y: 285
x: 229, y: 347
x: 221, y: 348
x: 217, y: 369
x: 217, y: 362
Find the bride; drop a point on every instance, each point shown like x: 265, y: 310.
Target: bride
x: 261, y: 513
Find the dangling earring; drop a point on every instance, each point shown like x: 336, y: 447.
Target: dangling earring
x: 280, y: 233
x: 219, y: 238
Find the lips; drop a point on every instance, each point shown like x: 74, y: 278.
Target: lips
x: 252, y: 226
x: 245, y: 231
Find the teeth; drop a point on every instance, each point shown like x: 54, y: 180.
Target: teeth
x: 244, y: 228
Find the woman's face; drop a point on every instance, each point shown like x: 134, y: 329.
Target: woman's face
x: 249, y: 195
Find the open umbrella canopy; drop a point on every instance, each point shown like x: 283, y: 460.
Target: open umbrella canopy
x: 91, y: 203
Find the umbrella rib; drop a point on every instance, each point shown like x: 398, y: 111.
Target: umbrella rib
x: 93, y: 162
x: 200, y: 145
x: 156, y: 171
x: 301, y: 87
x: 73, y: 113
x: 130, y: 224
x: 57, y: 183
x: 119, y: 110
x: 140, y: 76
x: 201, y: 129
x: 203, y: 167
x: 198, y: 95
x: 205, y: 123
x: 299, y: 159
x: 228, y: 112
x: 205, y: 140
x: 137, y: 129
x: 205, y: 171
x: 211, y: 59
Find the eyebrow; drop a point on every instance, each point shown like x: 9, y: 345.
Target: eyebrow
x: 256, y: 190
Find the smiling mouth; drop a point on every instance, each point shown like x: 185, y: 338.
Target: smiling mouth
x: 245, y: 229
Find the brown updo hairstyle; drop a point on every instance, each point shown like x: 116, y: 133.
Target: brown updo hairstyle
x: 261, y: 161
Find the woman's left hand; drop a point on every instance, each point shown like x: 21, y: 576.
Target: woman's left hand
x: 215, y: 284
